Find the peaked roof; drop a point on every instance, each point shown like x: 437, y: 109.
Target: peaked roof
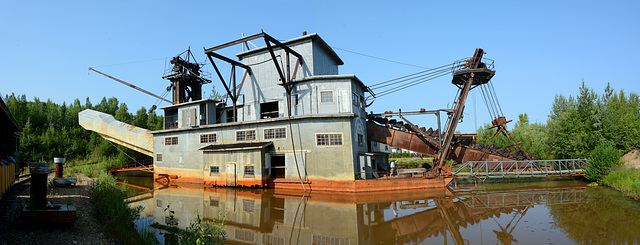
x: 313, y: 36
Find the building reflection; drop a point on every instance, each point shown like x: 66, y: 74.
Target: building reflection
x: 257, y: 216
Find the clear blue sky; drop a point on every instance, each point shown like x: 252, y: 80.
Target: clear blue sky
x: 540, y: 48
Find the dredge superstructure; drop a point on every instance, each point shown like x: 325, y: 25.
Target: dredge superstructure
x: 293, y: 127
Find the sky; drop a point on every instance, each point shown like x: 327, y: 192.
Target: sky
x: 541, y: 48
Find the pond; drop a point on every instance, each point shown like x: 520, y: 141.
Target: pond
x: 542, y: 212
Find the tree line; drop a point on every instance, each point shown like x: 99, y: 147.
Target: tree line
x: 52, y: 130
x: 589, y: 125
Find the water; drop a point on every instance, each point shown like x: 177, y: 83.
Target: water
x: 549, y: 212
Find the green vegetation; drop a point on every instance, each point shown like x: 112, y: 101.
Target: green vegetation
x: 52, y: 130
x: 532, y: 137
x: 410, y: 161
x: 593, y: 126
x: 198, y: 232
x: 625, y: 180
x: 114, y: 215
x: 601, y: 160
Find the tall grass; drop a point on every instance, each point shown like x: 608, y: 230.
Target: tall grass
x: 114, y: 215
x: 92, y: 167
x: 625, y: 180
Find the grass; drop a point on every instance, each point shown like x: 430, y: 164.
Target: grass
x: 91, y: 167
x: 113, y: 214
x: 626, y: 180
x: 412, y: 162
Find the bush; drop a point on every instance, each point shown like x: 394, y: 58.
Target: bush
x: 604, y: 157
x: 111, y: 211
x: 199, y: 232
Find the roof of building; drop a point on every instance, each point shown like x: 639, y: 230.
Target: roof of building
x: 329, y: 77
x: 313, y: 36
x: 7, y: 119
x: 237, y: 146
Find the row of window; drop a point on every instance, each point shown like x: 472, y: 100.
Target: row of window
x: 249, y: 170
x: 270, y: 133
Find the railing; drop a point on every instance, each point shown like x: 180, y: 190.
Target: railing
x: 523, y: 198
x: 460, y: 64
x: 526, y: 168
x: 148, y: 164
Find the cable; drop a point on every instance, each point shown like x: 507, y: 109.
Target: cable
x: 388, y: 83
x: 410, y: 84
x: 437, y: 68
x: 132, y: 62
x: 374, y: 57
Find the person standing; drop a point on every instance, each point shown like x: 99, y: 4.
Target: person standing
x: 393, y: 166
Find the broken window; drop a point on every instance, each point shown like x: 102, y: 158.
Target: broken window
x: 269, y: 110
x: 171, y: 119
x: 294, y: 99
x: 230, y: 115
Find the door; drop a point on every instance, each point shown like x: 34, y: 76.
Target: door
x: 231, y: 174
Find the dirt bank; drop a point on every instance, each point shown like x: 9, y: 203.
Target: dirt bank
x: 85, y: 231
x: 632, y: 159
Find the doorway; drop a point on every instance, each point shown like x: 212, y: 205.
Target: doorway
x: 277, y: 166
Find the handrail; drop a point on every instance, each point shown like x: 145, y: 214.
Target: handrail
x: 524, y: 168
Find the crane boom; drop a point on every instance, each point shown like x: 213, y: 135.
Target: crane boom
x: 130, y: 85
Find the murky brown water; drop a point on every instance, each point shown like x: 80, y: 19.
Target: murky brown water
x: 550, y: 212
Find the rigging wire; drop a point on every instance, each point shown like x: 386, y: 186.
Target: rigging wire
x: 375, y: 57
x: 411, y: 84
x: 388, y: 83
x: 132, y: 62
x: 437, y: 68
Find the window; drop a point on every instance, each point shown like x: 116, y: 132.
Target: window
x: 158, y: 157
x: 247, y: 205
x: 294, y: 99
x: 326, y: 96
x: 269, y: 110
x: 321, y: 239
x: 246, y: 135
x: 354, y: 99
x: 329, y: 139
x: 247, y: 236
x: 275, y: 133
x: 214, y: 202
x: 362, y: 102
x: 208, y: 138
x: 171, y: 141
x: 249, y: 170
x: 214, y: 170
x: 158, y: 203
x: 360, y: 140
x: 272, y: 240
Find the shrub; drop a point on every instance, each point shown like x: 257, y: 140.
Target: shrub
x: 601, y: 160
x: 198, y: 232
x: 111, y: 211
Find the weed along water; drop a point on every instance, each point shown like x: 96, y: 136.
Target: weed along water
x: 547, y: 212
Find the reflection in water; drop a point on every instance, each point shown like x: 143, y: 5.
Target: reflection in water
x: 557, y: 213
